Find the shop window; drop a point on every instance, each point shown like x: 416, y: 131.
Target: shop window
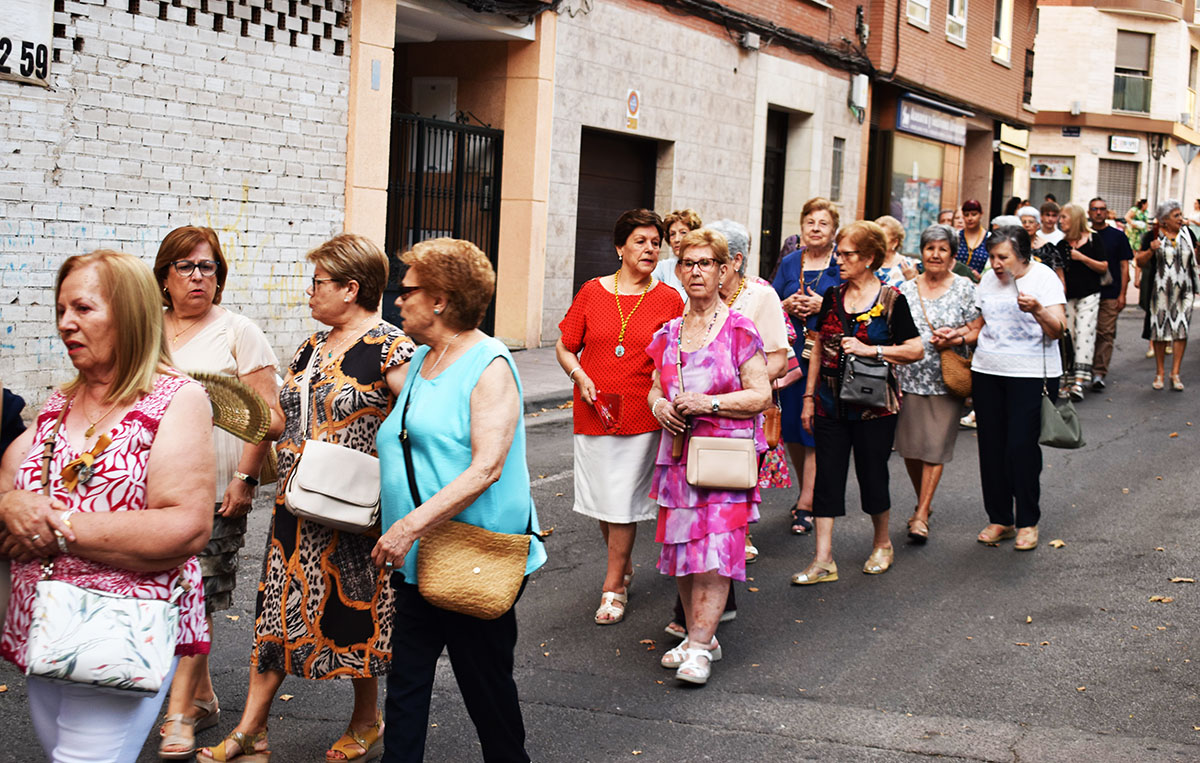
x: 956, y: 22
x: 1051, y: 174
x: 836, y: 163
x: 1002, y: 31
x: 1131, y: 80
x: 918, y: 13
x: 916, y: 192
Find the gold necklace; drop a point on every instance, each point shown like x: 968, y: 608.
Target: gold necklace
x: 181, y: 332
x: 91, y: 430
x: 342, y: 345
x: 737, y: 293
x: 620, y: 351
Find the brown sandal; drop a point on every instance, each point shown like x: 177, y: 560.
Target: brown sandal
x: 918, y: 530
x: 247, y: 749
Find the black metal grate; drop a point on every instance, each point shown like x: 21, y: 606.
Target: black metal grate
x: 444, y: 181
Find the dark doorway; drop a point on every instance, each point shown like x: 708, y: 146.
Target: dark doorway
x: 774, y: 164
x: 616, y: 173
x: 444, y: 181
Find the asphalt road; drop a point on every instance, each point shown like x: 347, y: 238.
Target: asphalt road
x: 960, y: 652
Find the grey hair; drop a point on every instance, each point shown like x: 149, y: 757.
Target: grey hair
x: 1028, y: 211
x: 737, y: 236
x: 1005, y: 220
x: 938, y: 233
x: 1013, y: 235
x: 1164, y: 208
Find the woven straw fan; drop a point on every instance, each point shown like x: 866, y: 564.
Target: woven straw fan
x: 236, y: 407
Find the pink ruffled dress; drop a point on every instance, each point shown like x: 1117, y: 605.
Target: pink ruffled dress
x: 703, y: 530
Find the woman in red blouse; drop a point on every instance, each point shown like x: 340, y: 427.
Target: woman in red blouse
x: 603, y: 349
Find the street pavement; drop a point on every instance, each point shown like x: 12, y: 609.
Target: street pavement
x: 960, y: 652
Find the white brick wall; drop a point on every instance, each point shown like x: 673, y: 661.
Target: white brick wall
x: 156, y: 124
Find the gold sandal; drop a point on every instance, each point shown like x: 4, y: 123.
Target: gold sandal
x: 247, y: 748
x: 370, y: 740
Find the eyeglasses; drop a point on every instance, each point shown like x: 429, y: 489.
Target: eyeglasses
x: 405, y: 291
x: 318, y: 281
x: 705, y: 264
x: 1097, y: 209
x: 847, y: 253
x: 185, y: 268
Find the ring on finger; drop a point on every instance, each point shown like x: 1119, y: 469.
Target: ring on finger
x: 35, y: 537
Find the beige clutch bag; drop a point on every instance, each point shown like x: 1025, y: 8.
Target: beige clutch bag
x: 722, y: 463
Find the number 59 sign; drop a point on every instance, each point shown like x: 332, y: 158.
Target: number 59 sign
x: 26, y: 36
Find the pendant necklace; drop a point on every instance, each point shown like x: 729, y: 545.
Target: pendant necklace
x: 342, y: 346
x: 620, y: 351
x: 183, y: 331
x: 91, y: 430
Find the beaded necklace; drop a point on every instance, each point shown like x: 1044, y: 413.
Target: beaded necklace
x: 620, y: 351
x: 737, y: 293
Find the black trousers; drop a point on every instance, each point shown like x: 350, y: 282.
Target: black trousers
x: 1008, y: 417
x: 481, y: 654
x: 871, y: 441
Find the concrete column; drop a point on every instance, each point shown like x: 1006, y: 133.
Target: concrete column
x: 372, y: 38
x: 525, y: 186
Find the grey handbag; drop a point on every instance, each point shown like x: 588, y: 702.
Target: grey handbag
x: 1060, y: 423
x: 864, y: 381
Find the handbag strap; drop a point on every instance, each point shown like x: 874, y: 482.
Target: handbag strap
x: 406, y: 446
x: 1045, y: 378
x: 305, y: 400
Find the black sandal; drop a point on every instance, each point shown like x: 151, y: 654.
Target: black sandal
x: 802, y: 521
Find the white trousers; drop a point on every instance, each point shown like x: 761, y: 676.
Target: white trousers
x: 79, y: 724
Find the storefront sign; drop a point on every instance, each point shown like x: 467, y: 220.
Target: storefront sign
x: 633, y: 103
x: 1052, y: 167
x: 1120, y: 144
x: 930, y: 123
x: 26, y: 37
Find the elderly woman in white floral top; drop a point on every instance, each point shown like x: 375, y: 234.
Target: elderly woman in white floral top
x: 943, y: 307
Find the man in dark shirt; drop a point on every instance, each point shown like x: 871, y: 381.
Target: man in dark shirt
x: 1112, y: 297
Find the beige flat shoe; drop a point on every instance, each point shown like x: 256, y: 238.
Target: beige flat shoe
x: 1027, y: 539
x: 880, y: 561
x: 1176, y: 384
x: 996, y: 533
x: 609, y: 613
x: 817, y: 572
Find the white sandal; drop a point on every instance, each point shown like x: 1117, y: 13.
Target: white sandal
x: 675, y: 657
x: 697, y: 667
x: 609, y: 613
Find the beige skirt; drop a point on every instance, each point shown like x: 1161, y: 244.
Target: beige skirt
x: 928, y: 427
x: 612, y: 476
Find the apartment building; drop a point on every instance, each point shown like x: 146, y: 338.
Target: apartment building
x: 1114, y: 88
x: 948, y: 120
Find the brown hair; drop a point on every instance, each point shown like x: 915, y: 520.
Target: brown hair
x: 819, y: 204
x: 460, y: 272
x: 870, y: 239
x: 350, y: 257
x: 177, y: 245
x: 689, y: 217
x: 714, y: 240
x: 633, y: 219
x: 1077, y: 222
x: 1051, y: 208
x: 139, y: 345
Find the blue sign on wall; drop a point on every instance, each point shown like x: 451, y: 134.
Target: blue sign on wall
x: 930, y: 123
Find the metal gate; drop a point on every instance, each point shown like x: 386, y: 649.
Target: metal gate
x: 444, y: 180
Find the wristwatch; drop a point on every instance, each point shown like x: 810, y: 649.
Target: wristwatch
x: 716, y: 405
x: 879, y: 352
x: 251, y: 481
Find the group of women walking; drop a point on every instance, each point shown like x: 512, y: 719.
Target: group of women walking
x: 124, y: 487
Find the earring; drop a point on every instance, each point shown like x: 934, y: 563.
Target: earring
x: 437, y: 311
x: 346, y: 299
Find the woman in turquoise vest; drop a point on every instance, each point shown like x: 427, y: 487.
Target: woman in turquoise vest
x: 461, y: 408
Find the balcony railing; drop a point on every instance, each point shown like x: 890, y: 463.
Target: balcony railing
x: 1131, y: 92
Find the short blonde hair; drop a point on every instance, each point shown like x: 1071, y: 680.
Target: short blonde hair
x: 140, y: 350
x: 819, y: 204
x: 459, y: 271
x: 350, y: 257
x: 689, y: 217
x: 869, y: 238
x: 893, y: 229
x: 1077, y: 221
x: 714, y: 240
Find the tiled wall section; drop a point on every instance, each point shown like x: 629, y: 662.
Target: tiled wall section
x: 151, y: 123
x: 705, y: 100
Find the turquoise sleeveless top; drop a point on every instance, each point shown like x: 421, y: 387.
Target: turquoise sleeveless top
x: 439, y: 429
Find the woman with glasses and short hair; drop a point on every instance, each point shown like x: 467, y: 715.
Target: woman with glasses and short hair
x: 203, y: 336
x: 324, y: 609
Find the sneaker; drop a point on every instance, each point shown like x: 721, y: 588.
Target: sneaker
x: 1098, y: 384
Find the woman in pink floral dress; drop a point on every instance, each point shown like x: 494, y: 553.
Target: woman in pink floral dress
x: 130, y: 495
x: 724, y: 389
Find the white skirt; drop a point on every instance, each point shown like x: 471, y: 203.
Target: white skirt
x: 612, y: 476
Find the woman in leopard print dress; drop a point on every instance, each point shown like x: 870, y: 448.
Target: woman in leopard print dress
x: 324, y: 610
